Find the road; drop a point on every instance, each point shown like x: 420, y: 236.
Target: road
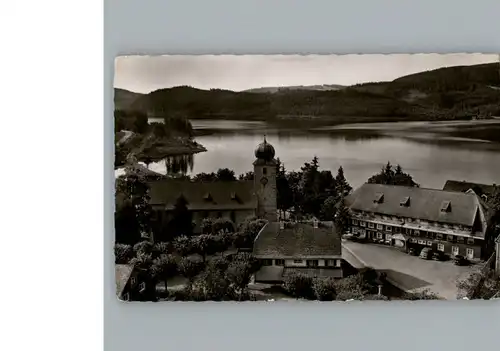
x: 407, y: 272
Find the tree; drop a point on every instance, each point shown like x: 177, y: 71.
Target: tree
x: 133, y: 208
x: 205, y: 177
x: 324, y: 289
x: 299, y: 285
x: 329, y: 209
x: 247, y: 176
x: 181, y: 222
x: 222, y: 225
x: 189, y: 268
x: 159, y: 249
x: 479, y: 284
x: 123, y: 253
x: 350, y: 288
x: 143, y: 247
x: 247, y: 232
x: 225, y: 175
x: 183, y: 245
x: 309, y: 187
x: 390, y: 176
x: 342, y: 186
x: 239, y: 273
x: 342, y: 217
x: 284, y: 197
x: 164, y: 268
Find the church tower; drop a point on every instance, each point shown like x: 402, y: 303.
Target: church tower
x: 265, y: 181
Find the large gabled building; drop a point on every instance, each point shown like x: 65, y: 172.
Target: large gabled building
x: 285, y: 248
x: 234, y: 200
x: 454, y: 223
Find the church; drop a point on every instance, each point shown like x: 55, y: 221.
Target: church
x: 234, y: 200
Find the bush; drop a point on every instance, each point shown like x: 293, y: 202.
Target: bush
x: 425, y: 294
x: 324, y: 289
x: 123, y: 253
x: 299, y: 286
x: 190, y: 268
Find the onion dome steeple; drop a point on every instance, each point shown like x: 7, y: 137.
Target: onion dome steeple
x: 264, y: 151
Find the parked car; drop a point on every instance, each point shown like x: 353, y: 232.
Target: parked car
x: 426, y: 253
x: 460, y: 260
x: 412, y: 252
x: 438, y: 256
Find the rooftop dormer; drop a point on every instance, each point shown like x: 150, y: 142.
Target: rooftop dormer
x: 379, y: 198
x: 405, y: 202
x: 446, y: 206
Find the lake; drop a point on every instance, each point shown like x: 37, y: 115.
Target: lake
x: 432, y: 152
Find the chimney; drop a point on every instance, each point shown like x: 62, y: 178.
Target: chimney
x: 282, y: 225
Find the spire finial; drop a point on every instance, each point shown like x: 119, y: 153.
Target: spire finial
x: 265, y: 139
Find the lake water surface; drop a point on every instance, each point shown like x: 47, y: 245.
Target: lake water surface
x: 430, y: 151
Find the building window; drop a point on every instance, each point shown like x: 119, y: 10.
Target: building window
x: 312, y: 263
x: 371, y: 225
x: 264, y: 170
x: 388, y: 236
x: 460, y: 239
x: 470, y: 241
x: 329, y: 263
x: 338, y: 263
x: 362, y: 223
x: 355, y: 221
x: 408, y: 231
x: 429, y: 243
x: 388, y: 228
x: 416, y: 232
x: 470, y: 253
x: 279, y: 262
x: 397, y: 229
x: 126, y: 297
x: 297, y: 261
x: 380, y: 226
x: 449, y: 237
x: 439, y: 236
x: 132, y: 281
x: 379, y: 235
x: 267, y: 262
x: 440, y: 247
x: 454, y: 250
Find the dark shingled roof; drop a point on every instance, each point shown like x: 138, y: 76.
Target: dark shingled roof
x: 122, y: 275
x: 463, y: 186
x: 219, y: 195
x: 298, y: 240
x: 423, y: 203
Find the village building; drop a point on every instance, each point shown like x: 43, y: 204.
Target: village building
x: 483, y: 190
x: 129, y: 286
x: 234, y: 200
x: 455, y: 223
x: 285, y: 248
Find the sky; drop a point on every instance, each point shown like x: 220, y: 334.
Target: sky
x: 143, y: 74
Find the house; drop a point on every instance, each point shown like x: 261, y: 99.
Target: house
x: 454, y: 223
x: 483, y: 190
x: 234, y: 200
x: 128, y: 283
x: 285, y: 248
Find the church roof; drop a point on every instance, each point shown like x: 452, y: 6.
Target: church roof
x: 298, y: 240
x: 204, y: 196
